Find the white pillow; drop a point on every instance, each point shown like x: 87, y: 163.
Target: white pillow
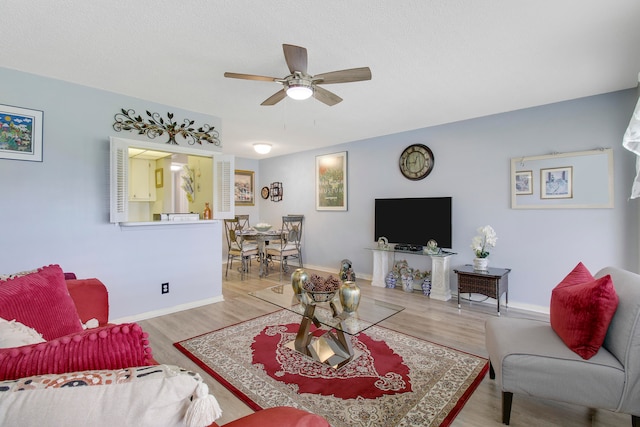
x: 15, y: 334
x: 160, y: 395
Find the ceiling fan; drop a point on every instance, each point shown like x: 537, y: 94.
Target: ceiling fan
x: 301, y: 85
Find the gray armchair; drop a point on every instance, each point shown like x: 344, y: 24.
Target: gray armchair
x: 528, y: 358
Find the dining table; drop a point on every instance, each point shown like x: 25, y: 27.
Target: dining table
x: 262, y: 239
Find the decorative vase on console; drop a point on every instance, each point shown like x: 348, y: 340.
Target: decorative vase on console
x: 426, y: 286
x: 480, y: 245
x: 407, y: 281
x: 349, y: 296
x: 390, y: 280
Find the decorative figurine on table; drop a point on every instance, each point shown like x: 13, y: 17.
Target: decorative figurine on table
x: 432, y: 248
x: 346, y: 271
x: 383, y: 243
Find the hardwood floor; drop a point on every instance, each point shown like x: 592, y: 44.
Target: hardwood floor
x: 437, y: 321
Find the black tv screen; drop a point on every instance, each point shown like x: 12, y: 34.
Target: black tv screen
x: 414, y: 221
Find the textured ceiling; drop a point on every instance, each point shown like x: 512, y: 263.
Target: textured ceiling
x: 432, y: 62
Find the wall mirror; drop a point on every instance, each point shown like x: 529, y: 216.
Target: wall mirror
x: 582, y: 180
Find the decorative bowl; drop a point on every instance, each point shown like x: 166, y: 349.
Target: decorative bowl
x: 321, y: 296
x: 262, y: 227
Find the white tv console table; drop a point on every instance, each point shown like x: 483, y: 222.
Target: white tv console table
x: 384, y: 259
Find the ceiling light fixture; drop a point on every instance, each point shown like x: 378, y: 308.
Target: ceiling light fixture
x: 299, y: 89
x: 262, y: 148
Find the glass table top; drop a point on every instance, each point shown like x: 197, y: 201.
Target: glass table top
x: 370, y: 311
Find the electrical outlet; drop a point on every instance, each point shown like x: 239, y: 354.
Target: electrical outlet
x: 165, y: 288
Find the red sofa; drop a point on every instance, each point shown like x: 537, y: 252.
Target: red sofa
x: 69, y: 348
x: 90, y: 297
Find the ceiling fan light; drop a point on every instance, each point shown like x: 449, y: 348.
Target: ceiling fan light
x: 262, y: 148
x: 299, y: 90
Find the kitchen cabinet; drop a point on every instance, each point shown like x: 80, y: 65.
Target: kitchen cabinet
x: 142, y: 185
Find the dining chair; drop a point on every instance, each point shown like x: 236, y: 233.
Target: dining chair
x: 238, y: 247
x: 244, y: 225
x: 290, y: 245
x: 243, y: 222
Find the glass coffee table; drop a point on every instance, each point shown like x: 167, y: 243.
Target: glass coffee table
x: 333, y: 347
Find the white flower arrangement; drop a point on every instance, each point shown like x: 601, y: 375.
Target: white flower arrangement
x: 485, y: 240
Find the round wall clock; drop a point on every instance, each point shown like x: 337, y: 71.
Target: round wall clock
x: 416, y: 162
x: 264, y: 192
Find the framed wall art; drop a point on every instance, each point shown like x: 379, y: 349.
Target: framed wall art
x: 556, y: 183
x: 331, y: 182
x: 524, y: 182
x: 574, y: 180
x: 244, y: 188
x: 21, y: 133
x: 276, y: 191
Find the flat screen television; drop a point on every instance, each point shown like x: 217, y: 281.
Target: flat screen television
x: 414, y: 221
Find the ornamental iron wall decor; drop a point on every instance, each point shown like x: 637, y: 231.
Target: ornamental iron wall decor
x: 156, y: 126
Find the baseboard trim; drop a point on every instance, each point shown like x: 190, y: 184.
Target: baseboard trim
x: 167, y: 310
x: 464, y: 299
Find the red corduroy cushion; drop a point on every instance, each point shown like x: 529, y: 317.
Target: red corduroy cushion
x: 581, y: 310
x: 108, y: 347
x: 41, y: 301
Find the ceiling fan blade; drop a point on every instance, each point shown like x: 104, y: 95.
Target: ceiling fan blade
x: 296, y: 58
x: 343, y: 76
x: 275, y: 98
x: 251, y: 77
x: 325, y: 96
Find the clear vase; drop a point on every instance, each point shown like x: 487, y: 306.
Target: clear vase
x: 480, y: 264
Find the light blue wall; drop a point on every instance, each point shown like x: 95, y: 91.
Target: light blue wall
x: 472, y: 164
x: 57, y: 211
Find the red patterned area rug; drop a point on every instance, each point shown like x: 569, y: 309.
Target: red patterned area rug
x: 396, y: 380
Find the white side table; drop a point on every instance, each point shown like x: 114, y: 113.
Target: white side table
x: 383, y: 260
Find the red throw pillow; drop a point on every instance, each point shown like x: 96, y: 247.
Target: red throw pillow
x: 581, y: 310
x: 579, y: 274
x: 41, y: 301
x: 109, y: 347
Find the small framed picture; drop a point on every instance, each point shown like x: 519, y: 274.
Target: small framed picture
x: 244, y: 188
x: 159, y: 178
x: 20, y: 133
x: 556, y: 183
x: 524, y: 182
